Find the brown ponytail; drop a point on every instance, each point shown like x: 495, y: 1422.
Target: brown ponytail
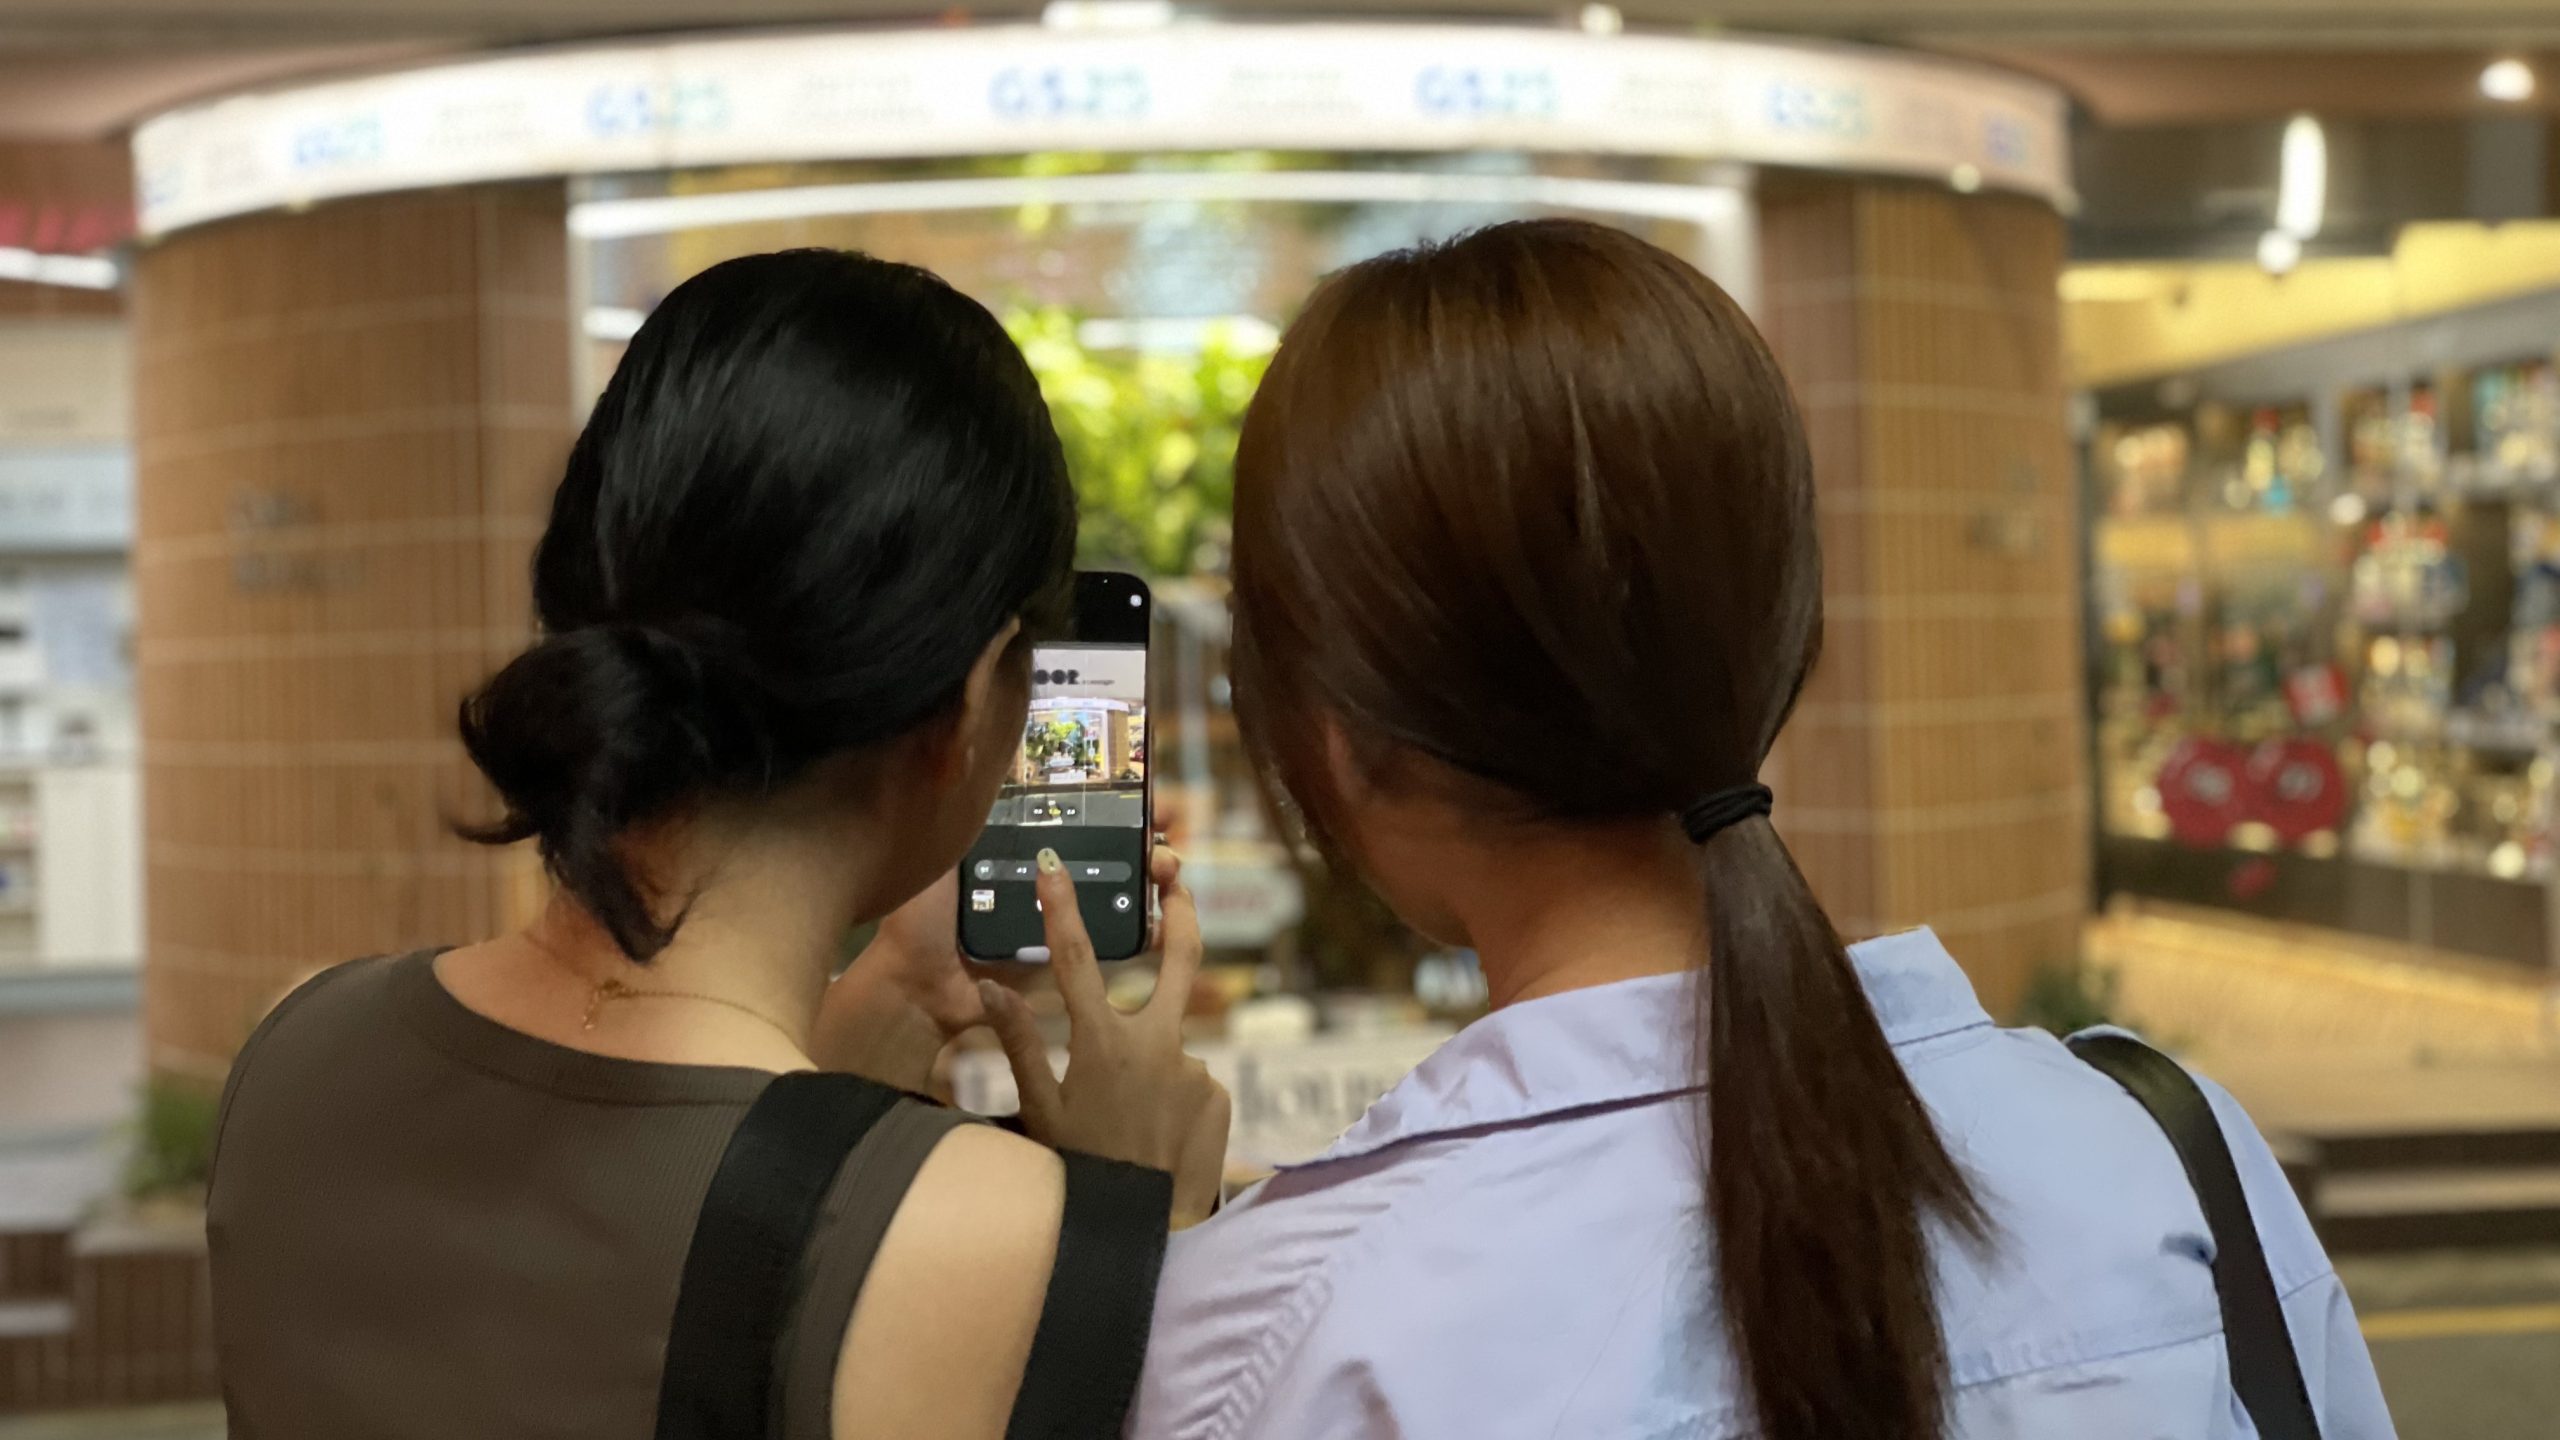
x: 1821, y: 1166
x: 1536, y: 505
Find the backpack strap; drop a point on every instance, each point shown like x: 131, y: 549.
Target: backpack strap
x: 740, y: 1274
x: 1092, y: 1337
x: 2264, y: 1369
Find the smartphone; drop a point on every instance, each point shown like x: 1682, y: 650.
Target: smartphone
x: 1078, y: 786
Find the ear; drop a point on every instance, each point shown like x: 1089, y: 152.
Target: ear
x: 1352, y: 781
x: 955, y: 752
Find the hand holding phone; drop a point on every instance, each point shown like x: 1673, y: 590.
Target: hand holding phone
x: 1078, y: 786
x: 895, y: 1009
x: 1130, y: 1092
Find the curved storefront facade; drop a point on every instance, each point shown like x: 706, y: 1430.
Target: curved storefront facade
x: 369, y: 315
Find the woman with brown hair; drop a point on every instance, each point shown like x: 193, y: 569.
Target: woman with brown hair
x: 1526, y: 583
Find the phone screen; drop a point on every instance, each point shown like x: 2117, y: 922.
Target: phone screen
x: 1078, y: 786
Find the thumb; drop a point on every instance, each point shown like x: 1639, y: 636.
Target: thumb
x: 1024, y: 1049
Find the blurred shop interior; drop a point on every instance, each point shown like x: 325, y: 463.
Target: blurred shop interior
x: 2185, y: 401
x: 2320, y: 451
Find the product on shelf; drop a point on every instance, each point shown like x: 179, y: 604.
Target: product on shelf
x: 2295, y: 788
x: 2282, y: 464
x: 2516, y: 424
x: 2144, y: 467
x: 2408, y: 576
x: 2372, y: 443
x: 2202, y: 791
x: 2419, y: 456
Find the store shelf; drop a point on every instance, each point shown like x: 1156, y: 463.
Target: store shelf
x: 2513, y: 734
x: 2467, y: 477
x: 2453, y: 910
x: 2501, y: 735
x: 2451, y: 860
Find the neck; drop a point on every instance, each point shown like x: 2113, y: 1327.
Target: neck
x: 740, y: 982
x: 1591, y: 906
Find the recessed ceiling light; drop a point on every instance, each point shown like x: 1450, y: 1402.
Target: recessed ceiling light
x: 2509, y: 81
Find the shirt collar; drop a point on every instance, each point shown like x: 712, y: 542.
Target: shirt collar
x: 1626, y: 1042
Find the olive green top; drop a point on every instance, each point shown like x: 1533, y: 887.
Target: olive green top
x: 425, y: 1224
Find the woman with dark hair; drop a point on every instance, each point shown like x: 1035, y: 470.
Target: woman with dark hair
x: 1526, y: 583
x: 544, y: 1185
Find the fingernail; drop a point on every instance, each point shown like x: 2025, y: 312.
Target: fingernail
x: 1049, y: 862
x: 990, y: 994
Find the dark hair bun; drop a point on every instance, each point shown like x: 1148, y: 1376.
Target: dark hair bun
x: 816, y: 486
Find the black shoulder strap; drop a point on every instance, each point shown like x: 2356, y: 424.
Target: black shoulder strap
x: 755, y: 1222
x: 2264, y: 1369
x: 756, y: 1219
x: 1092, y: 1337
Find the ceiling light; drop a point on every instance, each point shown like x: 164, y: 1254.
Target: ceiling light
x: 1965, y: 179
x: 2509, y: 81
x: 2302, y: 178
x: 2279, y: 251
x: 621, y: 219
x: 79, y: 272
x: 1107, y: 14
x: 1602, y: 20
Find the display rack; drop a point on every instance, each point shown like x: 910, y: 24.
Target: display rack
x: 2326, y: 631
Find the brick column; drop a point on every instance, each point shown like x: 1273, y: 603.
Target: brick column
x: 1936, y: 771
x: 347, y: 426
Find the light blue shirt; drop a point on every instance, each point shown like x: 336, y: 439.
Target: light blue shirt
x: 1509, y: 1245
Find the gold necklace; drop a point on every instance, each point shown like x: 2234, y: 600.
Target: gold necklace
x: 607, y: 991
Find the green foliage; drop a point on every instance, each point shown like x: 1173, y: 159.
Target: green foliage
x: 1061, y: 740
x: 2068, y: 998
x: 1150, y: 440
x: 173, y: 1139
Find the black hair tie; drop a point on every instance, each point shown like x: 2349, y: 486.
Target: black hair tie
x: 1725, y: 809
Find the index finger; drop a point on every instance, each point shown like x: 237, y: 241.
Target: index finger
x: 1071, y: 959
x: 1179, y: 931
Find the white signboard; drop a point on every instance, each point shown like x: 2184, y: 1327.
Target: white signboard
x: 1291, y: 1101
x: 1243, y: 902
x: 1017, y: 88
x: 66, y: 497
x: 1116, y: 674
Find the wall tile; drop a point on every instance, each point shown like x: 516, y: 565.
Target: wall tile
x: 1936, y: 769
x: 346, y: 419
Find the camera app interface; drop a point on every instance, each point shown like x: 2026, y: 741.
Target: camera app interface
x: 1079, y: 787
